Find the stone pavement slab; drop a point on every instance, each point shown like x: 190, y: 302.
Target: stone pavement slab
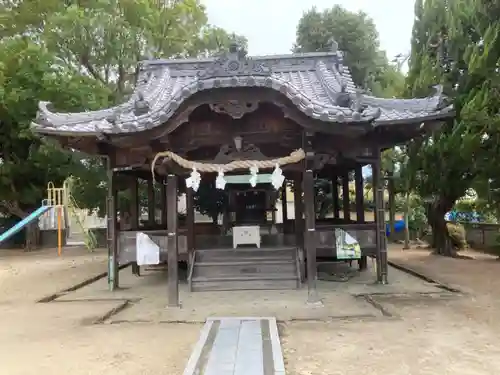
x: 237, y: 346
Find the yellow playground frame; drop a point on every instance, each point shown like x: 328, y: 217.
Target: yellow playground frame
x: 63, y: 201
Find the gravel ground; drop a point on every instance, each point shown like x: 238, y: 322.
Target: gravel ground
x: 431, y: 336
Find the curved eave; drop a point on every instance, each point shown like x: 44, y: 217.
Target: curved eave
x: 40, y: 129
x: 443, y: 114
x: 164, y: 109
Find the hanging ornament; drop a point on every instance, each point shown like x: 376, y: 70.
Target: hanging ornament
x: 193, y: 181
x: 277, y: 177
x: 220, y: 181
x: 254, y: 170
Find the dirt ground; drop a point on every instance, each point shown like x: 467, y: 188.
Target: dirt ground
x: 433, y: 336
x: 430, y: 335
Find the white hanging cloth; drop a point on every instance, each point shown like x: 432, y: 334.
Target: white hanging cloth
x: 147, y: 252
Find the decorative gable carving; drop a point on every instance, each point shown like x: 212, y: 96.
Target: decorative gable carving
x: 234, y: 63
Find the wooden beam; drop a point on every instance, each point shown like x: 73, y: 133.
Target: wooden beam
x: 134, y: 203
x: 112, y: 199
x: 335, y: 195
x: 284, y: 207
x: 151, y: 203
x: 381, y: 252
x: 345, y: 196
x: 358, y: 183
x: 191, y: 235
x: 163, y: 204
x: 172, y: 248
x: 299, y: 225
x: 310, y: 221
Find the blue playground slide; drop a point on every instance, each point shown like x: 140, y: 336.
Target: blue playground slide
x: 28, y: 219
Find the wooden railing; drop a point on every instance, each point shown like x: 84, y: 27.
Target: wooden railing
x: 127, y: 245
x: 325, y: 236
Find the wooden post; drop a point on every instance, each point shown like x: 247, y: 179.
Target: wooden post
x: 378, y: 184
x: 151, y: 204
x: 134, y: 215
x: 113, y: 281
x: 172, y: 249
x: 335, y: 196
x: 310, y: 219
x: 163, y: 204
x: 134, y: 204
x: 299, y: 227
x: 299, y: 212
x: 360, y: 209
x: 345, y: 196
x: 358, y: 182
x: 284, y: 207
x: 191, y: 235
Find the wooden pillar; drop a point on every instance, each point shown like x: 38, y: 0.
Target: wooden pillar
x: 172, y: 248
x: 134, y: 215
x: 299, y: 210
x: 163, y: 204
x: 112, y: 224
x: 299, y: 223
x: 345, y: 196
x: 335, y: 196
x: 191, y: 235
x: 284, y: 207
x: 151, y: 204
x: 310, y: 221
x: 358, y: 182
x: 134, y: 203
x: 378, y: 184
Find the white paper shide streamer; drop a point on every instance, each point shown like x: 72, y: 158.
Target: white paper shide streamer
x: 220, y: 181
x: 194, y: 180
x: 277, y: 177
x: 254, y: 170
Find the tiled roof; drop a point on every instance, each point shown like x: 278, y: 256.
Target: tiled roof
x: 318, y: 84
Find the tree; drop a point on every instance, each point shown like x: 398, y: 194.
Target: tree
x: 28, y: 73
x: 358, y: 38
x: 454, y: 43
x: 98, y: 43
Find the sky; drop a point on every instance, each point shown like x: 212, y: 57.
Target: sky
x: 270, y: 25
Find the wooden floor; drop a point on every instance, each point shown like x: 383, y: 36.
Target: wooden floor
x: 237, y: 346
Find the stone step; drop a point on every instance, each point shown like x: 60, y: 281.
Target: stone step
x: 253, y: 254
x: 267, y: 282
x: 246, y: 267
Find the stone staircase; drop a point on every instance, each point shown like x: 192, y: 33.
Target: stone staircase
x: 245, y: 269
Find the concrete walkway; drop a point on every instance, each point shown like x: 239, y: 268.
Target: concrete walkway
x: 237, y: 346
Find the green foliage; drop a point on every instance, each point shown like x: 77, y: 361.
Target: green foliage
x: 80, y: 55
x: 28, y: 73
x: 358, y: 38
x: 454, y: 43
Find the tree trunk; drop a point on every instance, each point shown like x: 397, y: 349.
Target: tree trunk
x: 440, y: 237
x: 32, y: 236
